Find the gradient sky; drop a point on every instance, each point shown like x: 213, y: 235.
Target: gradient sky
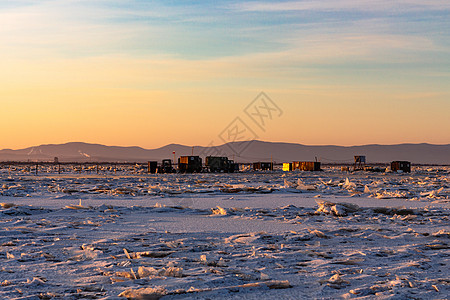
x: 149, y: 73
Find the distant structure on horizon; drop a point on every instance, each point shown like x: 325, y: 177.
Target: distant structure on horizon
x: 404, y: 166
x: 360, y: 162
x: 254, y: 151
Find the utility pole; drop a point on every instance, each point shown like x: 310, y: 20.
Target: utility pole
x: 174, y: 158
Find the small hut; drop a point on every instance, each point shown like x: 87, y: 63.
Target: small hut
x: 189, y: 164
x: 404, y: 166
x: 262, y: 166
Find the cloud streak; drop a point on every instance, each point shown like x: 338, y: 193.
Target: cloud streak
x: 342, y: 5
x: 83, y: 28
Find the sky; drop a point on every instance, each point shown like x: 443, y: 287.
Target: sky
x: 151, y: 73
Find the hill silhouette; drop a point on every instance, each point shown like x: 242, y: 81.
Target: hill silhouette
x: 249, y: 151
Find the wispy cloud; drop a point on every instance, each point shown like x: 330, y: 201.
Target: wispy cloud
x: 341, y: 5
x: 215, y: 41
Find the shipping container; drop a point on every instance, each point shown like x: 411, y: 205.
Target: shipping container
x: 287, y: 167
x: 306, y: 165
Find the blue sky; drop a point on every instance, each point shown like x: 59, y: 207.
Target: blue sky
x: 199, y: 29
x: 327, y: 36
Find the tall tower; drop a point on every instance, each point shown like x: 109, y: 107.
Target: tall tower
x: 360, y: 162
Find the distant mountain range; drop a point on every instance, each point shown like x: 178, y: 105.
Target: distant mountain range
x: 249, y: 151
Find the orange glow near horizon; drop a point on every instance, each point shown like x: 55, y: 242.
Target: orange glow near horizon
x: 125, y: 76
x: 151, y: 118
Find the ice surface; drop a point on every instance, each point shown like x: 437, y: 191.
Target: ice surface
x: 300, y: 235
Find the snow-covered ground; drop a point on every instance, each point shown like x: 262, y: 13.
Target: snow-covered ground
x: 295, y: 235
